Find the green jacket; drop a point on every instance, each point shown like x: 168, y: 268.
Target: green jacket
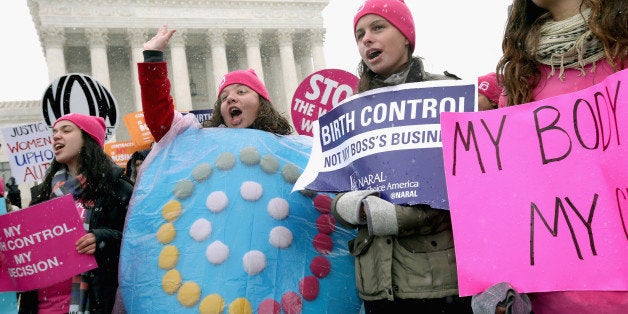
x: 402, y: 252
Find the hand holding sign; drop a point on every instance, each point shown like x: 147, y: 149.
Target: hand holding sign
x: 39, y: 245
x: 368, y: 142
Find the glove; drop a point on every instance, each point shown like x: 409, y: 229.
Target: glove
x: 348, y: 207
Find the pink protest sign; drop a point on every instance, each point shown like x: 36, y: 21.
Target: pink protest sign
x: 320, y: 92
x: 38, y: 244
x: 539, y: 192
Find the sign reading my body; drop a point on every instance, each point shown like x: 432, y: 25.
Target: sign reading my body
x: 590, y: 124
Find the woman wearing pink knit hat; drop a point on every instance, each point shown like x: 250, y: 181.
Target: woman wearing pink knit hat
x: 101, y: 192
x: 405, y: 259
x: 243, y: 100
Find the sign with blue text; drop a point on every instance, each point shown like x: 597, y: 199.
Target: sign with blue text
x: 29, y: 150
x: 387, y: 140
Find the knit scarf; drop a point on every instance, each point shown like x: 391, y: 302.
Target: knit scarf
x: 63, y: 183
x: 412, y: 71
x: 569, y: 44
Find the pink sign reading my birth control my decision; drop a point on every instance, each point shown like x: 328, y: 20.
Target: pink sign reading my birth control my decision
x: 319, y: 93
x: 38, y: 245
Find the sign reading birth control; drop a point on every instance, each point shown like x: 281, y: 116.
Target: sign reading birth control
x: 388, y: 140
x: 79, y: 93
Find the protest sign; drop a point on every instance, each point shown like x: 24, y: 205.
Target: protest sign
x: 80, y: 93
x: 29, y: 150
x: 39, y: 247
x: 138, y: 130
x: 121, y: 151
x: 319, y: 93
x: 539, y: 192
x: 387, y: 140
x: 202, y: 115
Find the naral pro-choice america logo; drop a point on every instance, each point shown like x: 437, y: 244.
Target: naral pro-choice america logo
x: 79, y: 93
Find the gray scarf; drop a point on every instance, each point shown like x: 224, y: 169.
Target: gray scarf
x: 568, y: 44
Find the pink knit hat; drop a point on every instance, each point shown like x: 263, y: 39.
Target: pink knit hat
x: 244, y: 77
x: 487, y: 86
x: 394, y: 11
x: 94, y: 126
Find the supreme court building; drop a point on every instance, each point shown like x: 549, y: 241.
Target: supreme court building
x: 282, y: 40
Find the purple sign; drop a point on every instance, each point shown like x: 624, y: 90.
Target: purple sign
x: 389, y: 140
x: 202, y: 115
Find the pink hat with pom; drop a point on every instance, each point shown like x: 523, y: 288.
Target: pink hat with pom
x: 94, y: 126
x: 394, y: 11
x: 487, y: 86
x: 244, y: 77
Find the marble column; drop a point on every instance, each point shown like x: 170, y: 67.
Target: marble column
x: 180, y: 74
x: 136, y: 38
x: 304, y: 60
x: 217, y: 39
x: 97, y: 42
x: 288, y: 67
x: 209, y: 74
x: 54, y: 39
x: 253, y: 53
x: 317, y: 38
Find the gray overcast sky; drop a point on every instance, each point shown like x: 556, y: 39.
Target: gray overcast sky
x: 460, y: 36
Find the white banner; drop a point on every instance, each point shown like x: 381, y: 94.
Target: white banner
x: 29, y: 149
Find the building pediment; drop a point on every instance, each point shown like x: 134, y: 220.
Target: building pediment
x: 192, y: 14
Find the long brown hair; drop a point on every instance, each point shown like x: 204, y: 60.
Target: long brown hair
x: 517, y: 69
x: 268, y: 119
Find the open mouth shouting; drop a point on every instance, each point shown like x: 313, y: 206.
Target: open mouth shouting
x: 234, y: 112
x: 57, y: 147
x: 235, y: 116
x: 373, y: 53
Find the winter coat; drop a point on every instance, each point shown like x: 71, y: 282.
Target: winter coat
x: 157, y: 103
x: 106, y: 223
x: 402, y: 252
